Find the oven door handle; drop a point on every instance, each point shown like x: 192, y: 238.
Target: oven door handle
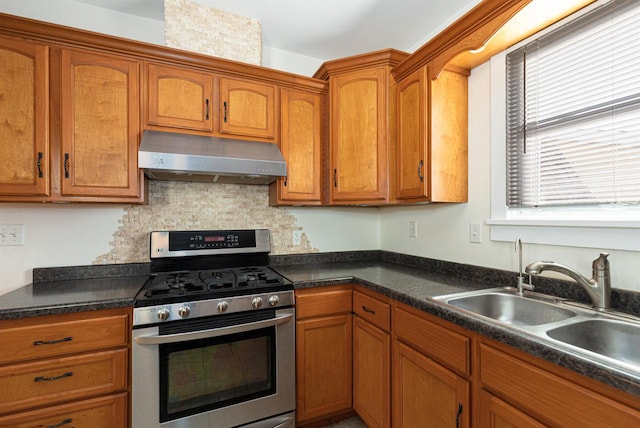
x: 214, y: 332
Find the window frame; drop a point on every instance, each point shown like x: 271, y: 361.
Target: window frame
x: 596, y: 227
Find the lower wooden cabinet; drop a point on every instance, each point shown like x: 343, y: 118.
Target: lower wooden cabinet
x: 414, y: 369
x: 65, y: 370
x: 549, y: 396
x: 371, y: 360
x: 495, y: 413
x: 425, y: 394
x: 103, y: 412
x: 323, y: 352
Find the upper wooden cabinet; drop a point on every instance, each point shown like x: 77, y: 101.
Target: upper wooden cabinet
x: 362, y: 135
x: 100, y: 125
x: 24, y: 129
x: 88, y: 151
x: 432, y: 159
x: 301, y: 146
x: 247, y: 108
x: 179, y: 98
x: 359, y: 137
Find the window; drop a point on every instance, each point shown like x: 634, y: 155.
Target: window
x: 572, y: 135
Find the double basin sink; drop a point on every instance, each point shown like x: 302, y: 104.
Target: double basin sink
x: 607, y: 338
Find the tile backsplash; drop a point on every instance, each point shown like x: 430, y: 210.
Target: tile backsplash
x: 198, y: 28
x: 196, y: 206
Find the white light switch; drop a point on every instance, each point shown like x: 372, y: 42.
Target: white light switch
x: 475, y: 233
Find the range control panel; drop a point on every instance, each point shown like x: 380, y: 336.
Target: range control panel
x: 187, y: 243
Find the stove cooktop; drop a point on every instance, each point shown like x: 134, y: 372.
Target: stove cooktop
x: 180, y: 286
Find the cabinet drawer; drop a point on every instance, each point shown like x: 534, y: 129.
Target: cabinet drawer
x: 103, y: 412
x: 29, y: 385
x: 549, y: 397
x: 20, y: 343
x: 371, y: 309
x: 323, y: 301
x: 449, y: 348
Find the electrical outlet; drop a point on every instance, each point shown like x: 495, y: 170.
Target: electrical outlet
x: 475, y: 233
x: 11, y: 234
x: 413, y: 229
x: 297, y: 237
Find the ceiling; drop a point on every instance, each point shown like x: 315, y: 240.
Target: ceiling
x: 327, y: 29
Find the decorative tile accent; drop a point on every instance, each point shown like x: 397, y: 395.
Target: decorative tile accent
x: 197, y: 28
x: 191, y: 206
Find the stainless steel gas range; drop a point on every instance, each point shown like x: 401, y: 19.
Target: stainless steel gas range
x: 213, y: 334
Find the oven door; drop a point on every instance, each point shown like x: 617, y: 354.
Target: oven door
x: 220, y: 371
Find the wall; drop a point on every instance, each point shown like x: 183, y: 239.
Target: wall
x: 78, y: 15
x: 443, y: 230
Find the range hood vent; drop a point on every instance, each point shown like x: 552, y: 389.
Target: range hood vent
x: 182, y: 157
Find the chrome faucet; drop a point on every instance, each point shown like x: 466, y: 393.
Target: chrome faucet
x: 521, y: 285
x: 598, y: 287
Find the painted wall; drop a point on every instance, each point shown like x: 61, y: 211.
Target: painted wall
x: 443, y: 230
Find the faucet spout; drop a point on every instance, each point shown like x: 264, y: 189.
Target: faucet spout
x: 598, y: 287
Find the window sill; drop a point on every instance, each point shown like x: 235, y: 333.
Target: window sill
x: 602, y: 234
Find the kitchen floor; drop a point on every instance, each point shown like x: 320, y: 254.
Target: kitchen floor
x: 354, y: 422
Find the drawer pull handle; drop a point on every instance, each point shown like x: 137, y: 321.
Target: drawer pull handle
x: 458, y: 415
x: 52, y: 342
x: 370, y: 311
x: 48, y: 379
x: 66, y: 421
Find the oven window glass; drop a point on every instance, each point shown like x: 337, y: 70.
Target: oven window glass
x: 207, y: 374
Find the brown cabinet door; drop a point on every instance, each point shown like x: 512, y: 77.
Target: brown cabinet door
x: 301, y: 147
x: 100, y: 125
x: 412, y: 178
x: 102, y: 412
x: 179, y: 98
x: 323, y: 366
x: 371, y: 374
x: 24, y: 128
x: 425, y: 394
x: 45, y: 382
x: 495, y: 413
x: 247, y: 108
x: 359, y: 141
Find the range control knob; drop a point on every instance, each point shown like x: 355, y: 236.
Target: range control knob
x: 274, y: 300
x: 184, y: 311
x: 222, y: 307
x: 163, y: 314
x: 256, y: 302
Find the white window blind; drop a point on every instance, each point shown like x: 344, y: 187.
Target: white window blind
x: 573, y: 112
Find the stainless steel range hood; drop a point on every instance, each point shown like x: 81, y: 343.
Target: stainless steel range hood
x: 181, y: 157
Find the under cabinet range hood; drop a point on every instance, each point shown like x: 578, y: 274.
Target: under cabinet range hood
x: 182, y: 157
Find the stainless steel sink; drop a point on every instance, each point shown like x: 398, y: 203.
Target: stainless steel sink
x: 607, y: 338
x: 512, y: 309
x: 615, y: 339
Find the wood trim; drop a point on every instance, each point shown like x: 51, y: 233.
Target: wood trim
x: 52, y: 33
x: 469, y: 32
x: 388, y: 57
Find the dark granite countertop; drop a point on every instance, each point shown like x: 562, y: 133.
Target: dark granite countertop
x: 75, y: 289
x: 414, y: 286
x: 408, y: 279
